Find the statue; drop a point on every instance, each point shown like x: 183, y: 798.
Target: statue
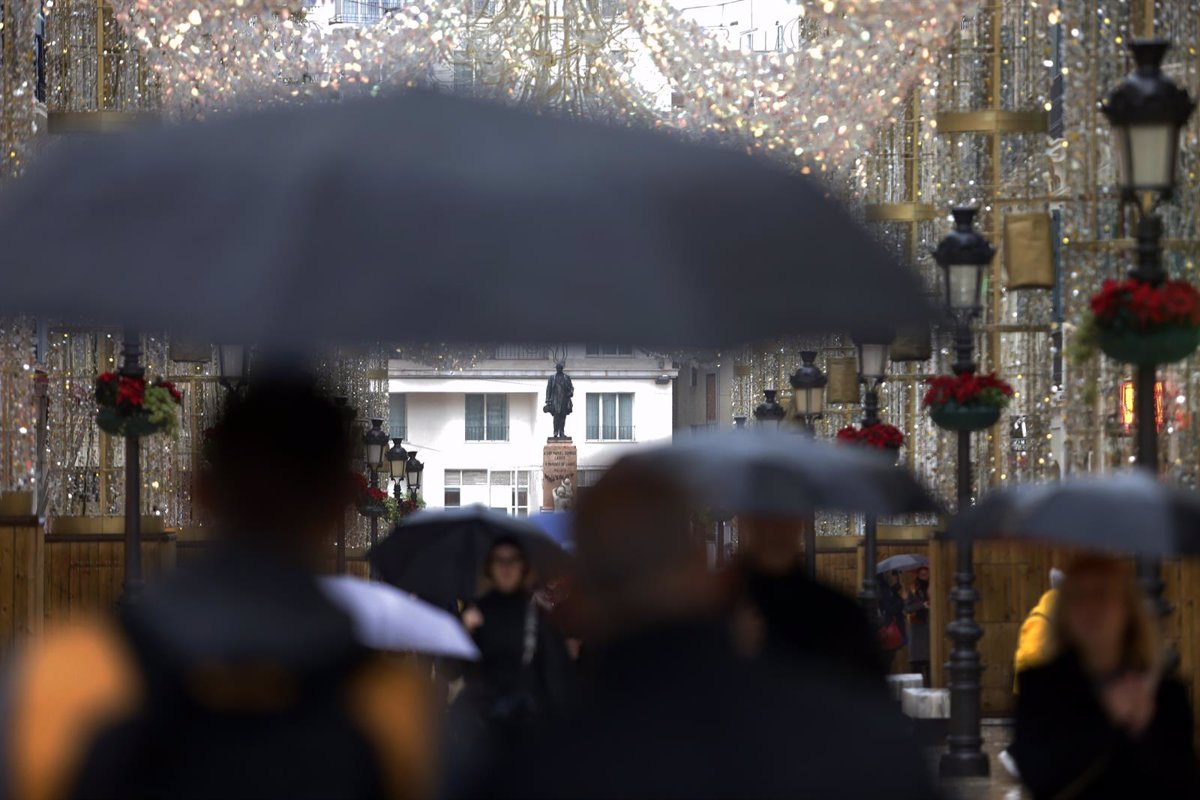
x: 564, y: 495
x: 559, y: 391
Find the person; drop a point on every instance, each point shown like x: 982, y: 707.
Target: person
x: 226, y: 677
x: 1099, y: 719
x: 780, y: 613
x: 893, y: 633
x: 1034, y: 637
x: 671, y: 708
x: 524, y: 669
x: 916, y: 606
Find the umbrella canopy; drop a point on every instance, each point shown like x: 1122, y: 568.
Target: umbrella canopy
x: 386, y: 618
x: 281, y: 227
x: 559, y: 526
x: 901, y: 563
x: 439, y: 555
x: 777, y: 473
x: 1125, y: 512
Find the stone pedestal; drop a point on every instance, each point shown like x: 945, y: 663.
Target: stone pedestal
x: 560, y: 474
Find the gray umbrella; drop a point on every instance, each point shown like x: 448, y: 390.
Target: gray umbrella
x: 777, y: 473
x: 481, y: 221
x: 901, y: 563
x: 1126, y: 512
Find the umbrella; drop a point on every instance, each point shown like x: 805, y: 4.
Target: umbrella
x: 1127, y: 512
x: 783, y: 474
x: 559, y: 526
x: 386, y: 618
x: 439, y: 555
x: 901, y: 563
x: 276, y: 225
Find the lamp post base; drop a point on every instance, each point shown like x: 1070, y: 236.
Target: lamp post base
x: 964, y: 765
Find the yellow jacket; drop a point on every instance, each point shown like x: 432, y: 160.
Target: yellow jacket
x: 1035, y: 636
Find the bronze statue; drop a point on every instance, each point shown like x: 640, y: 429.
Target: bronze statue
x: 559, y: 391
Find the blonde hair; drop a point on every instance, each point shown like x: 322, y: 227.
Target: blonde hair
x: 1142, y: 643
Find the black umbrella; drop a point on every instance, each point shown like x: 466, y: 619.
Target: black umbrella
x: 439, y: 555
x: 1126, y: 512
x: 777, y: 473
x: 282, y: 226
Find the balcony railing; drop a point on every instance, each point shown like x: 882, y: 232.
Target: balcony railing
x: 521, y: 352
x: 487, y: 433
x: 610, y: 433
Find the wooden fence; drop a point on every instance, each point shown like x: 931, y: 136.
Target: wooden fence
x: 21, y: 567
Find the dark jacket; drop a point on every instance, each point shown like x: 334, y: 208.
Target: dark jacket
x: 808, y: 620
x: 233, y: 678
x: 674, y: 713
x: 1066, y: 747
x: 501, y: 682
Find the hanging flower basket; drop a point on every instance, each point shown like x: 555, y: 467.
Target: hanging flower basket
x: 1159, y: 346
x: 881, y: 436
x: 370, y: 501
x: 953, y: 417
x: 133, y: 407
x: 966, y: 402
x: 1134, y: 322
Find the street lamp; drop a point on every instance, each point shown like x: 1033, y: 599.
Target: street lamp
x: 397, y: 459
x: 375, y: 443
x: 739, y: 423
x: 964, y: 256
x: 808, y: 390
x: 769, y: 412
x: 413, y: 472
x: 132, y: 584
x: 232, y: 364
x: 873, y: 352
x: 1148, y: 111
x: 348, y: 413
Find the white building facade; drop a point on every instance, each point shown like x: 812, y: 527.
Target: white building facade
x: 480, y: 432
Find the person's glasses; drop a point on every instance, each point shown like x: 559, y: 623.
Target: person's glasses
x: 507, y: 561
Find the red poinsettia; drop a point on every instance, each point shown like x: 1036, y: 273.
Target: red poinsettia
x: 1137, y: 304
x: 968, y: 390
x: 131, y: 392
x: 176, y: 395
x: 880, y: 436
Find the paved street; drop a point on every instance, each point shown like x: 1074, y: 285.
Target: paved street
x: 999, y: 786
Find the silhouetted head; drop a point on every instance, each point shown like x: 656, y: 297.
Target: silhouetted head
x: 638, y: 564
x: 507, y: 569
x: 558, y: 367
x: 279, y: 465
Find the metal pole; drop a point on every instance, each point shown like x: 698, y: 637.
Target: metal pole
x: 1149, y: 269
x: 965, y: 757
x: 719, y: 555
x: 131, y: 588
x: 869, y: 594
x: 810, y: 521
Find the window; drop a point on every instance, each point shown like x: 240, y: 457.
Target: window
x: 398, y: 416
x: 487, y: 418
x: 610, y: 417
x: 503, y: 490
x: 695, y: 377
x: 609, y: 350
x: 710, y: 397
x: 466, y: 487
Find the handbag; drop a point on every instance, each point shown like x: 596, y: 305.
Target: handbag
x: 890, y: 637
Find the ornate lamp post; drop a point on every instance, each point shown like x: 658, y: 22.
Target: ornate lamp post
x: 1148, y: 111
x: 808, y: 391
x: 964, y: 256
x: 375, y: 445
x: 739, y: 423
x: 348, y: 415
x: 872, y: 356
x: 232, y: 363
x: 413, y: 472
x: 808, y: 399
x: 132, y: 584
x: 769, y: 413
x: 397, y: 459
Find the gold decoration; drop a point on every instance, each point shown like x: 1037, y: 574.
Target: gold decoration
x: 843, y: 381
x: 1028, y: 254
